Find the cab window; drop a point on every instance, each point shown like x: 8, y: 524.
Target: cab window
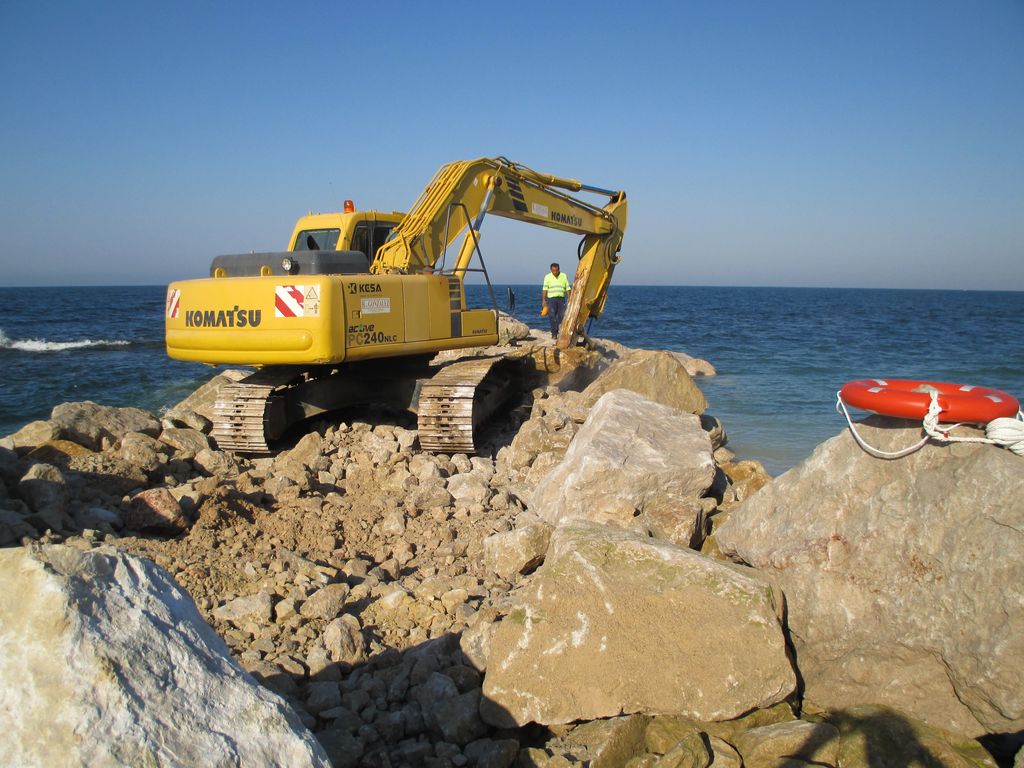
x: 361, y: 239
x: 381, y: 232
x: 317, y: 240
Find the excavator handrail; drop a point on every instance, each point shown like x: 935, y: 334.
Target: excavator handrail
x: 479, y: 253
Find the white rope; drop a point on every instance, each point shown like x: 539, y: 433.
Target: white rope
x: 1005, y: 432
x: 876, y: 452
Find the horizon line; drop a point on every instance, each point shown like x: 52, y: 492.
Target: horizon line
x: 622, y: 285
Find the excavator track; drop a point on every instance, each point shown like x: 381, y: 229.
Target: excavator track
x: 458, y: 399
x: 249, y: 414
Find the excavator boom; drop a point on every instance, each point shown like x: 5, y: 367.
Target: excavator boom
x: 459, y: 195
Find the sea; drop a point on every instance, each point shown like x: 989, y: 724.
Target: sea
x: 781, y: 354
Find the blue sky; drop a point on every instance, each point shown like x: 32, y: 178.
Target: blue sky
x: 871, y: 144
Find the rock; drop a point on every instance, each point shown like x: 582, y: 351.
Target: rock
x: 273, y: 677
x: 185, y: 417
x: 658, y: 376
x: 554, y: 421
x: 631, y: 457
x: 96, y: 517
x: 458, y: 718
x: 97, y: 426
x: 248, y: 608
x: 510, y: 329
x: 44, y: 489
x: 715, y: 429
x: 216, y: 463
x: 321, y: 696
x: 607, y: 626
x: 512, y: 553
x: 430, y: 494
x: 475, y: 642
x: 746, y: 478
x: 904, y: 579
x: 9, y: 464
x: 34, y: 433
x: 343, y: 749
x: 326, y: 603
x: 690, y: 752
x: 185, y: 442
x: 107, y: 662
x: 469, y: 489
x: 770, y: 745
x: 59, y: 452
x: 573, y: 368
x: 155, y: 510
x: 663, y: 733
x: 406, y: 438
x: 871, y: 735
x: 453, y: 598
x: 14, y: 528
x: 492, y: 753
x: 602, y: 743
x: 344, y: 641
x: 291, y: 470
x: 695, y: 366
x: 309, y: 448
x: 141, y: 450
x: 666, y: 731
x: 423, y: 466
x: 723, y: 754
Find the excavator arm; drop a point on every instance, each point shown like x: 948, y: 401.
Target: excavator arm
x: 461, y: 193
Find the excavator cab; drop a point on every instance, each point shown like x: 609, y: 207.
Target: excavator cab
x: 364, y: 231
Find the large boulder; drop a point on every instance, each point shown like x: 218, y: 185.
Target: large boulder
x: 510, y: 329
x: 156, y: 510
x: 99, y: 426
x: 634, y: 463
x: 106, y: 662
x: 658, y: 376
x: 904, y: 579
x: 617, y: 623
x: 32, y: 434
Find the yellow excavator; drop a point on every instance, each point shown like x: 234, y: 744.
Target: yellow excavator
x: 360, y: 302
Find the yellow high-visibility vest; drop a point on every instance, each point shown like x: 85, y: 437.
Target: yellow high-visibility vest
x: 556, y: 287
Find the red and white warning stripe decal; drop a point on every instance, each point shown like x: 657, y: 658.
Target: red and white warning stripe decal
x: 173, y: 302
x: 288, y: 300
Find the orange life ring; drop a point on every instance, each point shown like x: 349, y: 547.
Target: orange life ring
x: 909, y: 399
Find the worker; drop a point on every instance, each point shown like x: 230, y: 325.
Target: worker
x: 553, y: 294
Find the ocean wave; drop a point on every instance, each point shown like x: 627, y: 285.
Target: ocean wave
x: 42, y: 345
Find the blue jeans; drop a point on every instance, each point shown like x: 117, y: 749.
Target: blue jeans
x: 556, y: 311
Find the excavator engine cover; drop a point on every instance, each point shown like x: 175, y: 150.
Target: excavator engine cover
x: 303, y: 263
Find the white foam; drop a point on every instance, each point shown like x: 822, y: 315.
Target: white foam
x: 41, y: 345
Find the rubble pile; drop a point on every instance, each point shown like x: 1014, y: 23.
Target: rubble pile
x: 560, y: 599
